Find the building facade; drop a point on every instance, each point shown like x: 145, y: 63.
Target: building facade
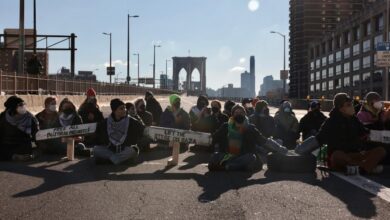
x: 270, y: 85
x: 309, y: 21
x: 246, y: 84
x: 345, y: 61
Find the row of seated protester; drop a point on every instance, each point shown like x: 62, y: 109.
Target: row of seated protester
x: 242, y: 133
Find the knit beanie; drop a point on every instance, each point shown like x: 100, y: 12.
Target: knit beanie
x: 173, y: 98
x: 91, y: 92
x: 260, y: 105
x: 12, y: 103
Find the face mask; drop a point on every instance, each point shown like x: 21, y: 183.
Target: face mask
x: 53, y: 108
x: 378, y: 105
x: 21, y: 110
x: 215, y: 109
x: 239, y: 119
x: 91, y: 100
x: 287, y: 110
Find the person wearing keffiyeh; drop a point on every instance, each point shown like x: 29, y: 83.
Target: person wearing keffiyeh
x: 118, y: 136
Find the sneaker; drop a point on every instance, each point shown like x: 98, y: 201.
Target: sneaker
x: 352, y: 170
x: 378, y: 169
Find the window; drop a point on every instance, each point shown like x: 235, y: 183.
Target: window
x: 323, y: 48
x: 377, y: 77
x: 366, y: 78
x: 347, y: 38
x: 356, y: 65
x: 330, y: 85
x: 375, y: 57
x: 330, y: 71
x: 347, y: 82
x: 366, y: 46
x: 338, y: 56
x: 379, y: 23
x: 367, y: 28
x: 356, y: 80
x: 346, y: 67
x: 347, y: 53
x: 330, y: 45
x: 318, y: 85
x: 312, y: 65
x: 312, y: 88
x: 323, y: 62
x: 324, y: 86
x: 337, y: 83
x: 318, y: 75
x: 330, y: 58
x: 367, y: 62
x: 323, y: 74
x: 338, y: 70
x: 318, y: 63
x: 356, y: 33
x: 311, y: 77
x: 378, y: 39
x: 356, y: 49
x: 338, y: 42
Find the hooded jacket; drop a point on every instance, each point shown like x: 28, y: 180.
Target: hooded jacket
x: 311, y: 123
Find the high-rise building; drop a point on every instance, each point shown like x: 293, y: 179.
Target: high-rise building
x: 309, y: 21
x: 252, y: 84
x: 246, y: 82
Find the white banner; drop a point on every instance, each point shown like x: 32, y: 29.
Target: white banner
x: 178, y: 135
x: 380, y: 136
x: 68, y: 131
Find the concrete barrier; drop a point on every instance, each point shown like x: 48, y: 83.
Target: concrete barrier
x: 35, y: 103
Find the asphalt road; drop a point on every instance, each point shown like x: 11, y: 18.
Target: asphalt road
x: 52, y: 188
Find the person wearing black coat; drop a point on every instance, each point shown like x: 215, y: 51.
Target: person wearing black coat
x: 346, y: 138
x: 118, y: 136
x: 310, y: 124
x: 264, y: 122
x: 147, y: 117
x: 154, y: 107
x: 17, y: 130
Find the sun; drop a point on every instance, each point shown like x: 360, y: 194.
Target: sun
x: 253, y: 5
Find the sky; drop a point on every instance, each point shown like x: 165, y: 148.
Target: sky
x: 227, y: 32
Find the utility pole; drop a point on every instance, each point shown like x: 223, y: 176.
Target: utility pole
x: 21, y: 38
x: 128, y: 46
x: 154, y: 64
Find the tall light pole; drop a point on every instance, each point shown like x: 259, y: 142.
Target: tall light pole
x: 284, y: 58
x: 154, y: 64
x: 166, y: 73
x: 21, y: 38
x: 137, y: 54
x: 35, y: 27
x: 128, y: 46
x: 110, y: 34
x: 386, y: 76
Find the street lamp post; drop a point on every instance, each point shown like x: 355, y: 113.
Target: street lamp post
x: 137, y: 54
x: 166, y: 73
x: 154, y: 64
x: 128, y: 46
x: 386, y: 76
x: 284, y: 59
x: 110, y: 34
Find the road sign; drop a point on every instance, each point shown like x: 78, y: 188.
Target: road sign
x: 283, y: 74
x: 144, y: 80
x: 383, y: 54
x: 110, y: 71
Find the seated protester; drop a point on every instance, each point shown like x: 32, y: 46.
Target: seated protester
x: 198, y: 112
x: 227, y: 108
x: 117, y: 136
x: 346, y: 138
x: 130, y: 110
x: 218, y: 118
x: 287, y: 126
x: 247, y: 104
x: 68, y: 116
x: 90, y: 113
x: 146, y: 116
x: 263, y: 121
x: 17, y: 131
x: 50, y: 118
x: 174, y: 116
x: 310, y: 123
x: 154, y: 107
x: 235, y: 143
x: 371, y: 114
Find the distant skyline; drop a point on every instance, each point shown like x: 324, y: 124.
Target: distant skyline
x: 227, y: 32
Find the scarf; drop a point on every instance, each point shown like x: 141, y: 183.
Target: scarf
x: 117, y: 130
x: 235, y: 137
x: 66, y: 120
x: 22, y: 122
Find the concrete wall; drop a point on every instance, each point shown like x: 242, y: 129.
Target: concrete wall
x: 35, y: 103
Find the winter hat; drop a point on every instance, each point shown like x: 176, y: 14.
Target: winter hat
x: 138, y: 101
x: 339, y: 100
x: 314, y: 104
x: 173, y: 98
x: 245, y: 101
x: 91, y: 92
x: 260, y: 105
x: 286, y: 104
x: 236, y: 107
x: 115, y: 104
x: 371, y: 96
x: 13, y: 102
x: 229, y: 105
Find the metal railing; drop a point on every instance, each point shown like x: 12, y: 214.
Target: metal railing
x: 12, y: 83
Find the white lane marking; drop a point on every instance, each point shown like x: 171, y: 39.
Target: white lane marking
x: 366, y: 184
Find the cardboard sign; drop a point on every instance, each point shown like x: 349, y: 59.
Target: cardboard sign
x: 380, y: 136
x: 178, y: 135
x: 68, y: 131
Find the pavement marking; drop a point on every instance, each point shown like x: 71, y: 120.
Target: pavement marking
x: 366, y: 184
